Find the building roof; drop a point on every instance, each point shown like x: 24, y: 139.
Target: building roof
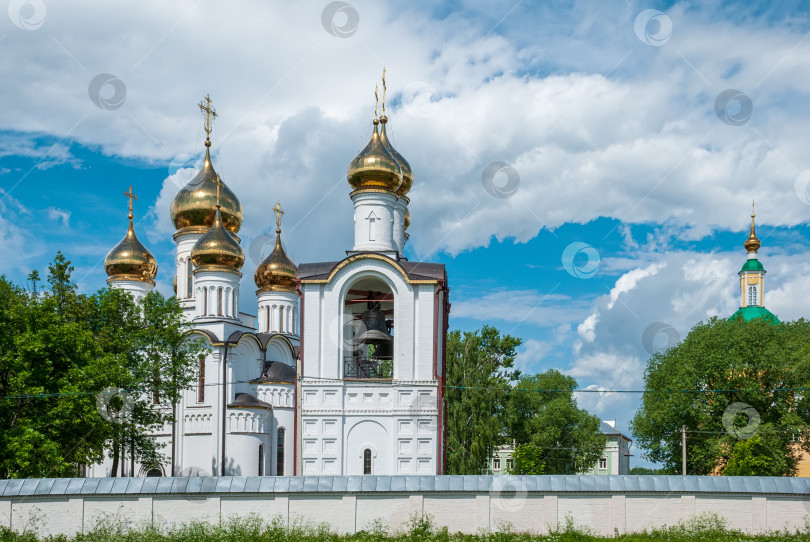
x: 413, y: 270
x: 610, y: 484
x: 752, y: 265
x: 609, y: 430
x: 277, y: 371
x: 749, y: 313
x: 246, y: 400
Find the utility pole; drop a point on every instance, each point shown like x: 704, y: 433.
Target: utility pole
x: 683, y: 448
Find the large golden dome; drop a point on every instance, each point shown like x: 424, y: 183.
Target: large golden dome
x: 277, y: 271
x: 217, y: 248
x: 375, y: 167
x: 130, y: 260
x: 407, y: 172
x: 195, y: 204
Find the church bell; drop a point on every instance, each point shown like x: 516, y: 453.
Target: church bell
x: 376, y: 332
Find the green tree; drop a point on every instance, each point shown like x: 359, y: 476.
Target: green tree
x: 755, y: 456
x: 61, y: 355
x: 479, y: 369
x: 552, y: 434
x: 747, y: 371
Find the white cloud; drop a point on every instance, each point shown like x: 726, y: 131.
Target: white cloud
x: 59, y: 215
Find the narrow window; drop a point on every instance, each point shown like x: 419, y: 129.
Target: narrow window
x: 602, y: 463
x: 281, y: 319
x: 366, y: 461
x: 233, y: 301
x: 280, y: 452
x: 205, y: 302
x: 509, y: 463
x: 189, y: 279
x: 752, y: 296
x: 372, y: 228
x: 201, y: 381
x: 261, y: 459
x: 220, y: 306
x: 267, y: 310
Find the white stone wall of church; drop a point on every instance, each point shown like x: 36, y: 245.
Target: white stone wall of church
x: 278, y: 312
x: 185, y: 243
x: 459, y: 511
x: 374, y: 221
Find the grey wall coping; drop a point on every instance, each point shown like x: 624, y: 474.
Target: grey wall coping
x: 405, y: 484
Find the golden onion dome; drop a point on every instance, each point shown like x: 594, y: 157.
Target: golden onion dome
x: 375, y: 167
x: 130, y: 260
x: 217, y: 248
x: 407, y: 219
x: 752, y: 244
x: 194, y: 205
x: 277, y: 271
x: 407, y: 172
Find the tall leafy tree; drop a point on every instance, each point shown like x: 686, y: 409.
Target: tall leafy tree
x: 552, y: 434
x: 745, y: 372
x: 479, y: 369
x: 63, y: 354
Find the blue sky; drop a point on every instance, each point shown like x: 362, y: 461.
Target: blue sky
x: 611, y: 118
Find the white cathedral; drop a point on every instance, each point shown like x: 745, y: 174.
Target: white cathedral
x: 341, y: 370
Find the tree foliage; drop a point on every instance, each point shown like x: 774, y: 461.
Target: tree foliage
x: 747, y: 371
x: 552, y: 434
x: 479, y: 369
x: 60, y: 350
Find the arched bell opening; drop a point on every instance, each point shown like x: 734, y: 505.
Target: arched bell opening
x: 369, y: 330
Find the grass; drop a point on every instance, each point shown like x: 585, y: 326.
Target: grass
x: 708, y: 528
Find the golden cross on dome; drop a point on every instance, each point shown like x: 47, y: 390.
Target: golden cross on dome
x: 131, y: 195
x: 210, y: 114
x: 383, y: 110
x: 279, y: 212
x: 376, y: 101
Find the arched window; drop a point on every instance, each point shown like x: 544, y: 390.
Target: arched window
x: 189, y: 279
x: 261, y: 459
x: 234, y: 294
x: 280, y: 452
x: 220, y: 306
x: 366, y: 461
x: 267, y: 310
x: 752, y: 296
x: 201, y: 381
x: 154, y: 472
x: 281, y: 319
x: 205, y: 302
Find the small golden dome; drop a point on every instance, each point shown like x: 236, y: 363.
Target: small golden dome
x: 375, y: 167
x: 407, y: 219
x: 407, y: 172
x: 752, y: 244
x: 130, y: 260
x: 195, y: 203
x: 277, y: 271
x: 217, y: 248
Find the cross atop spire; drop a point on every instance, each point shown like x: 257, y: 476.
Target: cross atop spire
x: 210, y: 115
x: 376, y: 101
x: 383, y: 82
x: 279, y: 212
x: 131, y: 196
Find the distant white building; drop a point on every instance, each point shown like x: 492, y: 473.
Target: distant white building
x: 614, y: 460
x: 340, y: 372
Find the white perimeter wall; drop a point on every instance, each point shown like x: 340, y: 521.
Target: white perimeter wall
x: 459, y: 511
